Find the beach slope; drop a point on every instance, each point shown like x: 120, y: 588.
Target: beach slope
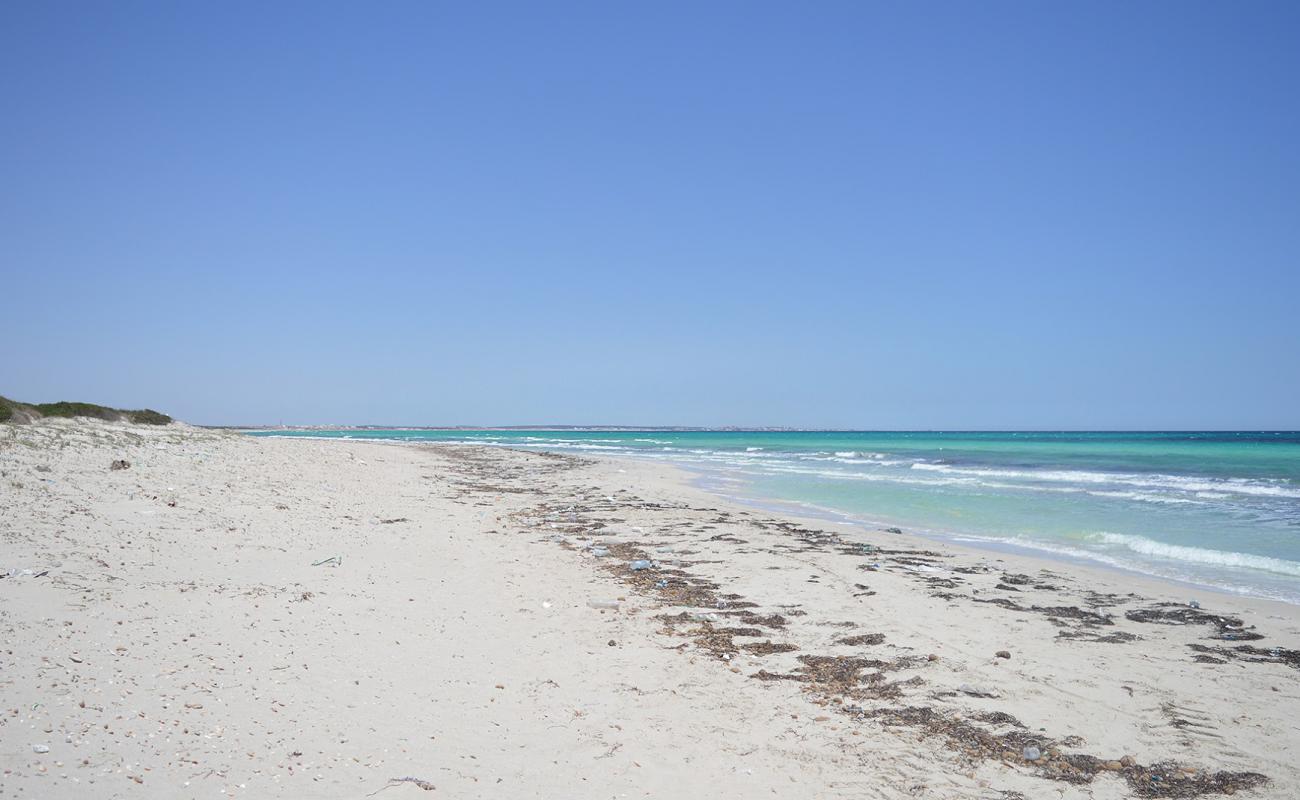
x: 193, y: 613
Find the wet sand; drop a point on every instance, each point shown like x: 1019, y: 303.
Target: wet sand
x: 231, y: 616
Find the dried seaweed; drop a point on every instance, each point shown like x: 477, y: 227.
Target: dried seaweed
x: 1154, y: 780
x: 862, y: 639
x: 1230, y: 629
x: 768, y: 647
x: 1248, y: 653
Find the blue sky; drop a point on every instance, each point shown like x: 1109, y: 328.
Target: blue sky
x: 923, y: 215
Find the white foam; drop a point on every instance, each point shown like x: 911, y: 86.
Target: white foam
x: 1149, y: 480
x: 1200, y: 555
x: 1147, y: 497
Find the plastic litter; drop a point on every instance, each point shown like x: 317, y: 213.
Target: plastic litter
x: 40, y: 748
x: 1032, y: 753
x: 603, y: 604
x: 640, y: 564
x: 1193, y: 604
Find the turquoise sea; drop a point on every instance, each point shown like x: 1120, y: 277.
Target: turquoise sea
x: 1220, y: 510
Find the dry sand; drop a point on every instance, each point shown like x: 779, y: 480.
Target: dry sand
x: 179, y: 636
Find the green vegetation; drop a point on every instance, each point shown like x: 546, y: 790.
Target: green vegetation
x: 65, y: 409
x: 145, y: 416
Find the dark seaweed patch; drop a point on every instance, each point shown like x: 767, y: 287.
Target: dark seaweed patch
x: 862, y: 639
x: 1230, y: 629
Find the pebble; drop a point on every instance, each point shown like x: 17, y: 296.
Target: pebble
x: 1003, y: 654
x: 40, y: 748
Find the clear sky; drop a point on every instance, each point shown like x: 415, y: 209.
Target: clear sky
x: 915, y: 215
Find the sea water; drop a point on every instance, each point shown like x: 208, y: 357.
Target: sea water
x: 1210, y: 508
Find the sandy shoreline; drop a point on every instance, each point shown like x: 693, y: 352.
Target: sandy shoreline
x: 1020, y: 556
x: 186, y: 640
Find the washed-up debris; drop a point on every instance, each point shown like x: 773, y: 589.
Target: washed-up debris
x: 862, y: 639
x: 15, y: 572
x: 1144, y: 780
x: 40, y: 748
x: 120, y: 463
x: 1230, y: 629
x: 393, y: 520
x: 1092, y: 635
x: 333, y: 561
x: 1059, y: 612
x: 603, y: 604
x: 1246, y: 652
x: 640, y: 564
x: 423, y: 784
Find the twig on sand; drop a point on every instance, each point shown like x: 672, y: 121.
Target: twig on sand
x: 423, y: 784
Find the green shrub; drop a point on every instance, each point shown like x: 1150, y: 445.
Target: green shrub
x: 148, y: 416
x: 66, y: 409
x: 144, y: 416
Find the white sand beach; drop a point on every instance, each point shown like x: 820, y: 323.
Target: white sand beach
x: 240, y: 617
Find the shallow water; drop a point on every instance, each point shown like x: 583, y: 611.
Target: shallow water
x: 1217, y: 509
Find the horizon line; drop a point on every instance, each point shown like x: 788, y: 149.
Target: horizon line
x: 735, y: 429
